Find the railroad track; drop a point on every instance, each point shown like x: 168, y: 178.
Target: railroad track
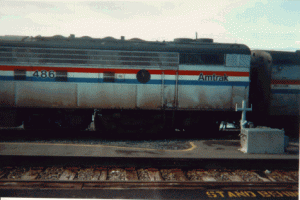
x: 147, y: 178
x: 211, y: 183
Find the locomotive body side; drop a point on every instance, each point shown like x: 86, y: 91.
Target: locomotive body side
x: 104, y: 81
x: 122, y: 76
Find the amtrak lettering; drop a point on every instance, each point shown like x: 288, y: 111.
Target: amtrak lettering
x: 212, y: 77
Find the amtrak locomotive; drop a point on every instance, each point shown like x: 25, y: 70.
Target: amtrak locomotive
x: 190, y: 84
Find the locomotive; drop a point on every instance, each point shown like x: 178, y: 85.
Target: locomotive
x: 137, y: 85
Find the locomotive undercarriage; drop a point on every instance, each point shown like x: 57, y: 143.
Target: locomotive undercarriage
x: 149, y: 121
x: 117, y: 120
x: 55, y: 118
x: 134, y: 121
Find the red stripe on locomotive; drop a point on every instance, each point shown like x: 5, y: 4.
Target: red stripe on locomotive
x: 123, y: 71
x: 286, y: 82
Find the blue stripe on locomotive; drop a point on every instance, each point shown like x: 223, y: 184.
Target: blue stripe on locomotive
x: 134, y: 81
x: 286, y: 91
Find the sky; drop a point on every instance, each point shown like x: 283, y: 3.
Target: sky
x: 262, y: 24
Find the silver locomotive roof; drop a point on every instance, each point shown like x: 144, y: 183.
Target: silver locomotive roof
x: 181, y: 45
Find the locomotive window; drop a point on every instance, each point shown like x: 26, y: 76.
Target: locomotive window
x: 19, y: 74
x: 108, y: 76
x: 61, y: 76
x: 201, y: 59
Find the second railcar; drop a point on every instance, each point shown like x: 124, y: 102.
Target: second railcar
x: 275, y: 89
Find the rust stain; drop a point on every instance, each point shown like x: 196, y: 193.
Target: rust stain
x: 31, y: 102
x: 45, y: 95
x: 153, y: 102
x: 7, y: 99
x: 201, y: 102
x: 205, y: 98
x: 108, y: 97
x: 7, y: 94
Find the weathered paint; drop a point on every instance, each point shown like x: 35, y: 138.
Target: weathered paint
x: 239, y: 94
x: 212, y: 90
x: 7, y: 94
x: 55, y: 95
x: 106, y: 96
x: 149, y: 96
x: 170, y: 86
x: 205, y: 97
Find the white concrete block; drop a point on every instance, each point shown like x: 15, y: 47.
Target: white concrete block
x: 262, y: 140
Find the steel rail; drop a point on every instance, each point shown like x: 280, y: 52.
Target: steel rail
x: 26, y: 184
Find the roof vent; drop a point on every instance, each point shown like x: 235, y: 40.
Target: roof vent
x: 136, y: 40
x: 58, y: 37
x: 205, y: 40
x: 86, y: 38
x: 183, y: 40
x: 109, y: 39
